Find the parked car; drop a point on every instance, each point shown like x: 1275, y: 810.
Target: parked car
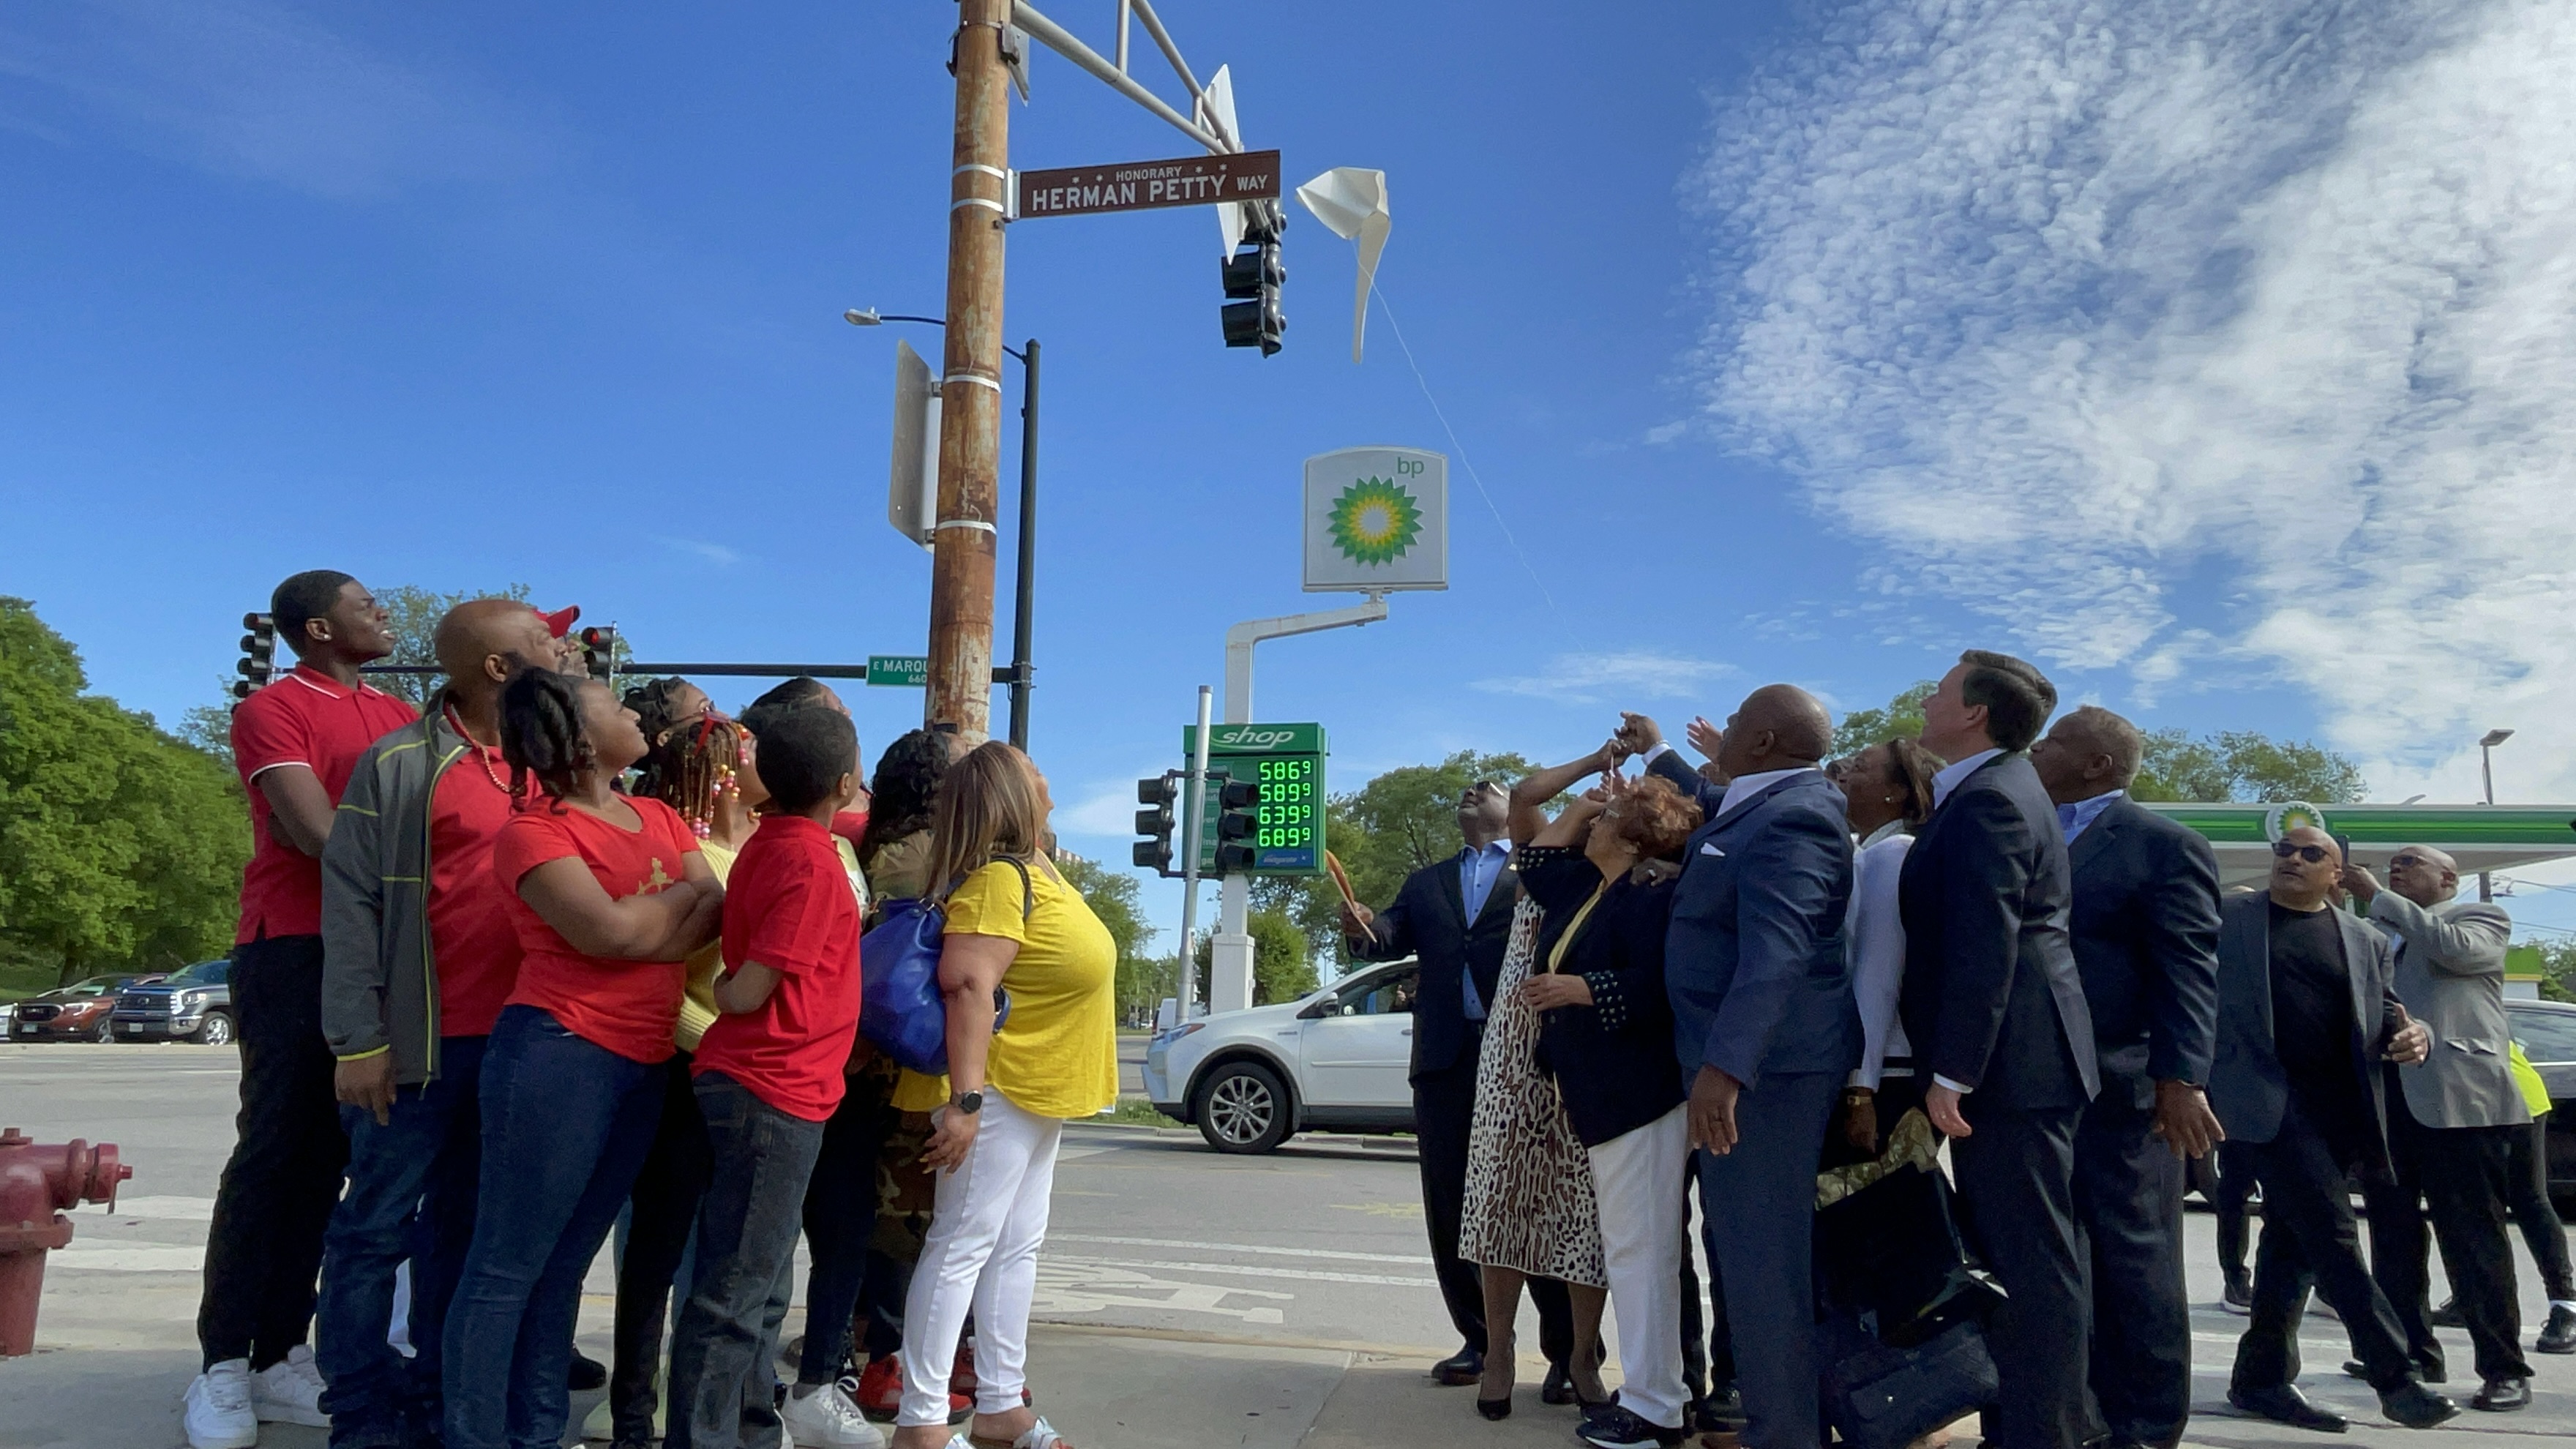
x: 1337, y: 1060
x: 2547, y: 1031
x: 193, y: 1002
x: 78, y: 1012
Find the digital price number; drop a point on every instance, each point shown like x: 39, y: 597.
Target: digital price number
x: 1290, y: 807
x: 1286, y: 763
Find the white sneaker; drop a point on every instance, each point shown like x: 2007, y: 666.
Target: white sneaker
x: 826, y: 1417
x: 289, y: 1391
x: 218, y: 1413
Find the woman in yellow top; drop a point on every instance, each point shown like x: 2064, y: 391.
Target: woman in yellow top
x: 1015, y: 924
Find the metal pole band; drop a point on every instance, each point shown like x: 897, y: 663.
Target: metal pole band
x: 976, y: 523
x: 977, y: 378
x: 996, y: 172
x: 995, y: 207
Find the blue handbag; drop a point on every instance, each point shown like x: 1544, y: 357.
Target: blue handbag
x: 901, y: 1012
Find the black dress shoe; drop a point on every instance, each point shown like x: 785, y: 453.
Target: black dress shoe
x: 1458, y: 1372
x: 2447, y: 1316
x: 1558, y: 1387
x: 2425, y: 1372
x: 2560, y: 1335
x: 1722, y: 1412
x: 2238, y: 1296
x: 585, y: 1373
x: 1495, y: 1408
x: 2416, y: 1406
x: 2503, y: 1396
x: 2284, y: 1404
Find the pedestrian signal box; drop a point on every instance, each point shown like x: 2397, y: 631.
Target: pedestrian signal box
x: 1269, y: 820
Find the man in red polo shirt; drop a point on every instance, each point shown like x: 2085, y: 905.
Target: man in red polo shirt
x: 295, y: 742
x: 420, y: 955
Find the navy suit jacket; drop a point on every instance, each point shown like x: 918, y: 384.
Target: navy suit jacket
x: 1992, y: 999
x: 2145, y: 930
x: 1428, y: 920
x: 1753, y: 962
x: 2247, y: 1087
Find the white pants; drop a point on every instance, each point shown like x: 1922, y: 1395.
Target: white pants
x: 1638, y: 1177
x: 981, y: 1251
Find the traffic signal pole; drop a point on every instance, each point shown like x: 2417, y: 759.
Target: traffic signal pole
x: 970, y: 385
x: 1230, y: 951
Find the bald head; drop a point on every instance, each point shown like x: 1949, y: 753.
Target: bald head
x: 482, y: 642
x: 1778, y: 727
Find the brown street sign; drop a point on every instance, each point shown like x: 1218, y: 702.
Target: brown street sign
x: 1139, y: 185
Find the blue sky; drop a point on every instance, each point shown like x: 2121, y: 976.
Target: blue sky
x: 2217, y: 360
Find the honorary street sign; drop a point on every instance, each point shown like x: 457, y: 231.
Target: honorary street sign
x: 1139, y: 185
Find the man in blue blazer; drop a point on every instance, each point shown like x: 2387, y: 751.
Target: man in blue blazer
x: 1765, y: 1027
x: 1995, y: 1012
x: 2145, y: 930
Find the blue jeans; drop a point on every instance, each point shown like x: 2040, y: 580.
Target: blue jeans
x: 566, y: 1123
x: 410, y: 1196
x: 725, y: 1351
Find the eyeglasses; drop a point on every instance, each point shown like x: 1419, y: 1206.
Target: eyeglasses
x: 2309, y: 853
x: 2396, y: 861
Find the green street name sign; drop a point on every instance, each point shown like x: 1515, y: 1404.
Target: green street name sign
x: 908, y: 671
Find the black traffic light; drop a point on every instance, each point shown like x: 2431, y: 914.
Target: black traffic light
x: 1235, y: 824
x: 1161, y: 793
x: 599, y: 652
x: 1253, y: 276
x: 259, y: 654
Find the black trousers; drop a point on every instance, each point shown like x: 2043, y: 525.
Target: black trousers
x: 840, y: 1216
x: 2229, y: 1183
x: 2527, y: 1183
x: 2128, y: 1205
x: 662, y: 1209
x: 2016, y: 1177
x: 2310, y: 1239
x: 2457, y: 1179
x: 1444, y: 1112
x: 264, y: 1247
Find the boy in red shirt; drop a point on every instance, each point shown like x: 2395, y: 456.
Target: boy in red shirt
x: 767, y: 1075
x: 295, y: 742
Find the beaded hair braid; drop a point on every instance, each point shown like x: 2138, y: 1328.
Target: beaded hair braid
x: 691, y: 760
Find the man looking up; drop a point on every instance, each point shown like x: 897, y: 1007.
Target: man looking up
x: 295, y: 742
x: 419, y: 956
x: 2305, y: 1012
x: 1456, y: 917
x: 1994, y: 1009
x: 2145, y: 935
x: 1766, y: 1029
x: 2451, y: 1122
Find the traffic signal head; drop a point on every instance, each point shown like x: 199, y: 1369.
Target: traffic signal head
x: 259, y: 654
x: 1235, y: 824
x: 1253, y: 277
x: 1159, y: 793
x: 599, y: 651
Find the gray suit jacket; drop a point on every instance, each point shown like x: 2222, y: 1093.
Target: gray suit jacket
x: 2450, y: 974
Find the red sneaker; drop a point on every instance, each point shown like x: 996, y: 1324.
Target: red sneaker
x: 961, y: 1377
x: 878, y: 1391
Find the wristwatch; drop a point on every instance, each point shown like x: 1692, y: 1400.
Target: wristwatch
x: 969, y: 1103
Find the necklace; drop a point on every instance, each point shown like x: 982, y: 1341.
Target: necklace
x: 482, y: 756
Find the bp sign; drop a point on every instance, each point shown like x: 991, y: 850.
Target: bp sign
x: 1377, y: 520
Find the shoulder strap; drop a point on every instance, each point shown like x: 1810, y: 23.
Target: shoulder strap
x: 1028, y: 888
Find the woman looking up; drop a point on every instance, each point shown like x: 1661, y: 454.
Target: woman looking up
x: 608, y: 895
x: 1887, y: 792
x: 1016, y: 925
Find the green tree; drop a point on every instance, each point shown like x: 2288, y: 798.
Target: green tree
x: 119, y: 844
x: 1899, y: 718
x: 411, y: 615
x: 2244, y: 765
x: 1112, y: 895
x: 1283, y: 959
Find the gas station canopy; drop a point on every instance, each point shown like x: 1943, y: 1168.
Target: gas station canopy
x: 2479, y: 837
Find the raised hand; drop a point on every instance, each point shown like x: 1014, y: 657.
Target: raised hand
x: 1704, y: 737
x: 1638, y: 733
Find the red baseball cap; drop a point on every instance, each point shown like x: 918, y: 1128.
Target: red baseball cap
x: 560, y: 622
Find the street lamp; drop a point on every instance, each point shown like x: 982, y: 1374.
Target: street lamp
x: 1025, y: 597
x: 2486, y: 767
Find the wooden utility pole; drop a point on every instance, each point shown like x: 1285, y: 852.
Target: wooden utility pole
x: 970, y: 394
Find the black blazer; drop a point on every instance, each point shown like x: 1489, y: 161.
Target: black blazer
x: 2247, y: 1087
x: 2145, y: 928
x: 1612, y: 1060
x: 1991, y: 997
x: 1428, y: 920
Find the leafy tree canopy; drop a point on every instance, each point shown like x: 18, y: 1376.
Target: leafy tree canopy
x: 1899, y: 718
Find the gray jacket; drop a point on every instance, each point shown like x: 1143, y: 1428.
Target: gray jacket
x: 379, y: 980
x: 2450, y: 974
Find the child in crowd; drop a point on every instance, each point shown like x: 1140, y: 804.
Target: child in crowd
x: 768, y: 1075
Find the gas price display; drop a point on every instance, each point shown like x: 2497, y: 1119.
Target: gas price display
x: 1286, y: 764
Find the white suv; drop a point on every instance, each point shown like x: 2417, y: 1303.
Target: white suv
x: 1339, y: 1060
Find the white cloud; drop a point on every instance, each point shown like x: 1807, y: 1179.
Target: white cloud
x: 714, y: 553
x: 1613, y: 678
x: 2172, y: 332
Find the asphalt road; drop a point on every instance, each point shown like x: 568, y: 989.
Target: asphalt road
x: 1317, y: 1247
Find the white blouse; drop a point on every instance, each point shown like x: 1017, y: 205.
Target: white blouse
x: 1874, y: 945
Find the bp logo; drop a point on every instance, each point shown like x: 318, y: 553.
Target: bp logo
x: 2280, y: 820
x: 1375, y: 521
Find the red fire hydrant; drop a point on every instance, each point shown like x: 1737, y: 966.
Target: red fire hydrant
x: 35, y: 1182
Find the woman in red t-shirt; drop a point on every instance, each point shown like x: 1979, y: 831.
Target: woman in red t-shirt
x: 608, y: 894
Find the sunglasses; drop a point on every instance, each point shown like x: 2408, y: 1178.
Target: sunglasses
x: 2406, y: 860
x: 2309, y: 853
